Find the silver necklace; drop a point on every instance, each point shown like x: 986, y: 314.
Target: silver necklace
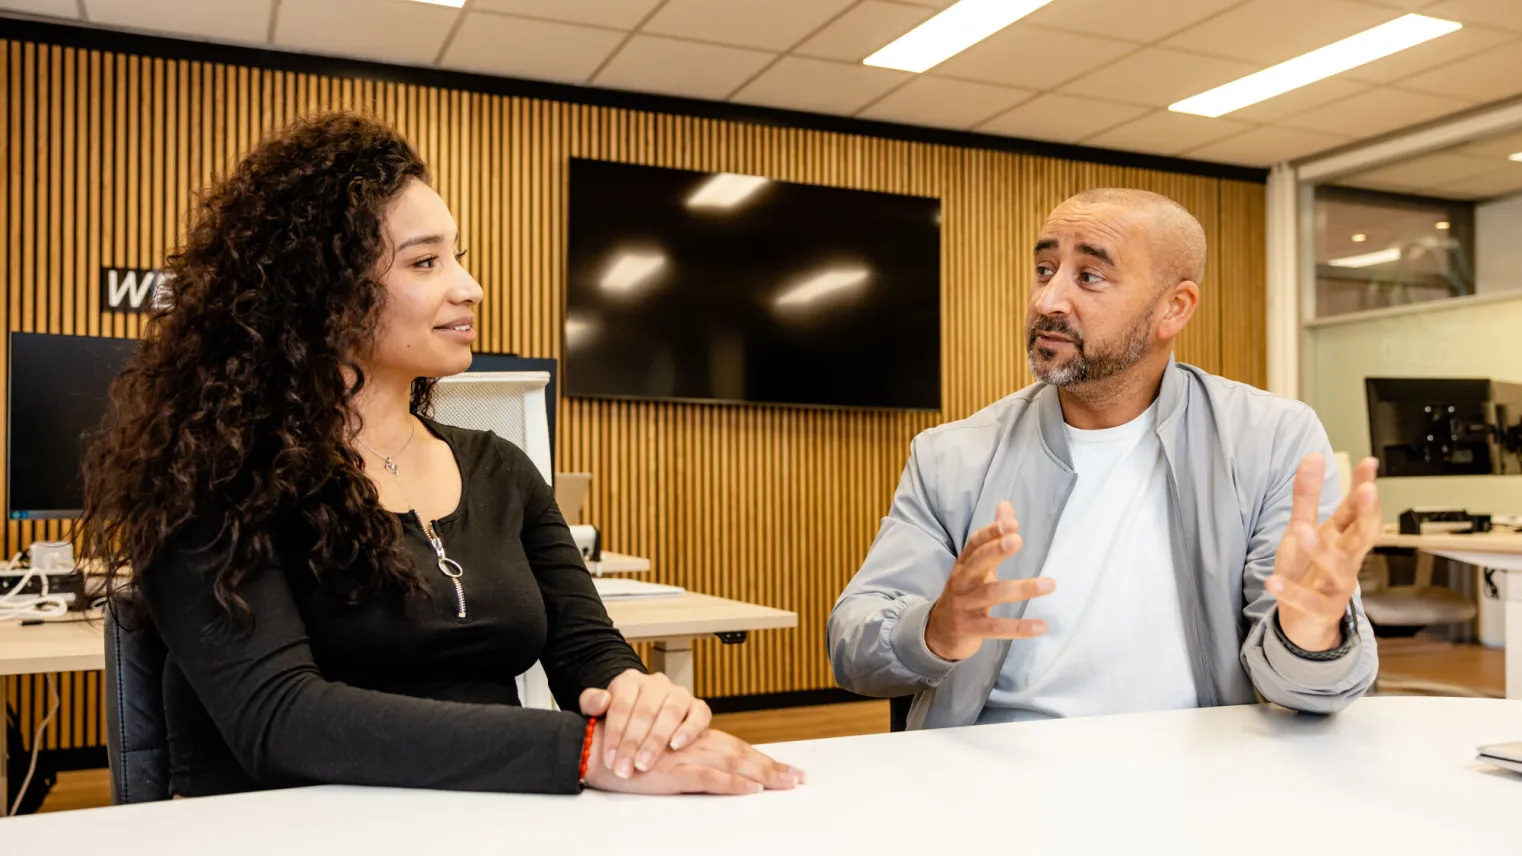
x: 389, y: 461
x: 447, y: 566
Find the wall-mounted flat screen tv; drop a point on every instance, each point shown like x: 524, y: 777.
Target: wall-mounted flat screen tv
x: 703, y: 286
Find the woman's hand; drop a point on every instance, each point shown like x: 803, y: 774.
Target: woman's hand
x: 644, y: 715
x: 713, y: 763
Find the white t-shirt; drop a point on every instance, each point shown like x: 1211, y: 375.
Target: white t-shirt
x: 1115, y: 641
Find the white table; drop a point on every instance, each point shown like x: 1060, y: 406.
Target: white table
x: 1501, y: 551
x: 1389, y: 775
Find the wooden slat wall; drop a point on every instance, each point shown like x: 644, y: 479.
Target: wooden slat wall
x: 103, y: 152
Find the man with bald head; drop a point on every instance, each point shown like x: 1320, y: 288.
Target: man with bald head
x: 1182, y: 539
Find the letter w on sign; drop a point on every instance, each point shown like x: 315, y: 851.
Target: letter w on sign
x: 128, y: 289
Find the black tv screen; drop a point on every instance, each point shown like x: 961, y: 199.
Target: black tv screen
x: 711, y: 286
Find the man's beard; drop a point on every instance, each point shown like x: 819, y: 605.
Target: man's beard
x: 1086, y: 365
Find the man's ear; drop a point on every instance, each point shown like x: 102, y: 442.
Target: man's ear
x: 1177, y: 308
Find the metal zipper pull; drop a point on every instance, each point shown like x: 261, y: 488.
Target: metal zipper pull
x: 447, y: 566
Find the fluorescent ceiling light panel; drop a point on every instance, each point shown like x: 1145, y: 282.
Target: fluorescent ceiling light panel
x: 453, y: 4
x: 1377, y: 257
x: 1365, y: 47
x: 954, y: 30
x: 726, y: 190
x: 821, y: 284
x: 1515, y: 156
x: 629, y: 269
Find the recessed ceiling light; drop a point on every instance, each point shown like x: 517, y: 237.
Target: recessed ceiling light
x: 1378, y: 257
x: 1442, y: 225
x: 453, y: 4
x: 955, y: 29
x: 1365, y: 47
x: 630, y: 269
x: 726, y: 190
x: 1360, y: 238
x: 1516, y: 156
x: 821, y: 284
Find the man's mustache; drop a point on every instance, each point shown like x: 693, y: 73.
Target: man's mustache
x: 1047, y: 324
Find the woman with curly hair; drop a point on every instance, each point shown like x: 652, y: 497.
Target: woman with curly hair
x: 347, y: 589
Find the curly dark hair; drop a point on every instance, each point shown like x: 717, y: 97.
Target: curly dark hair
x: 234, y: 416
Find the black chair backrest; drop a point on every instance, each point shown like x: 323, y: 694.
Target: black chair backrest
x: 898, y: 712
x: 137, y: 742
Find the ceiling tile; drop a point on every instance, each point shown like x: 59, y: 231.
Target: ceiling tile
x: 1061, y: 118
x: 1129, y: 19
x: 771, y: 24
x: 1266, y: 146
x: 1374, y: 112
x: 51, y: 8
x: 236, y: 22
x: 1495, y: 146
x: 1023, y: 55
x: 1166, y: 133
x: 1272, y: 31
x: 1454, y: 46
x: 1497, y: 13
x: 519, y: 47
x: 820, y: 86
x: 1299, y: 100
x: 860, y: 32
x: 1493, y: 75
x: 1430, y: 170
x: 1496, y: 183
x: 618, y: 14
x: 679, y: 67
x: 1156, y: 77
x: 944, y: 103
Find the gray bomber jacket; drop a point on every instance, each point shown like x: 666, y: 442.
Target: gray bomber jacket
x: 1231, y: 450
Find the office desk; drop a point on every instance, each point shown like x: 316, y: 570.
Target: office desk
x: 54, y: 646
x: 1388, y: 775
x: 1499, y: 550
x: 617, y: 563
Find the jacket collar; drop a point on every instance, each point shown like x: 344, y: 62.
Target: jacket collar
x: 1170, y: 403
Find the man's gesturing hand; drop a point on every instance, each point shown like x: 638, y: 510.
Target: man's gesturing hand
x: 959, y: 619
x: 1316, y: 569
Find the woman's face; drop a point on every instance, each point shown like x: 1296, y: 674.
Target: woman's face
x: 428, y: 322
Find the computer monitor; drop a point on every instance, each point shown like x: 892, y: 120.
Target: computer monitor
x: 1444, y: 426
x: 58, y: 392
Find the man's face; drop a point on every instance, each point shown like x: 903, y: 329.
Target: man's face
x: 1091, y: 310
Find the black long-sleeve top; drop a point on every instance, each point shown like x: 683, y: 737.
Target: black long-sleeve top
x: 396, y: 690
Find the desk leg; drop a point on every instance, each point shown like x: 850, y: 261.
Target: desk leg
x: 5, y: 789
x: 1514, y: 635
x: 673, y: 657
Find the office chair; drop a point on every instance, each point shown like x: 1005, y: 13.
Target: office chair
x: 512, y: 405
x: 1404, y: 609
x: 898, y: 713
x: 137, y: 741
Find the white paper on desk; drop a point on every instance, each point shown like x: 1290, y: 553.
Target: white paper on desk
x: 613, y: 587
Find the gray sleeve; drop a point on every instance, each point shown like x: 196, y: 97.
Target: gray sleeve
x: 877, y: 628
x: 1280, y: 675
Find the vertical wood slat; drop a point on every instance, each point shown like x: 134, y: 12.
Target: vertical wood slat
x: 105, y: 153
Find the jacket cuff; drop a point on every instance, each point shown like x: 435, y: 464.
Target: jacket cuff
x: 1322, y: 672
x: 908, y: 642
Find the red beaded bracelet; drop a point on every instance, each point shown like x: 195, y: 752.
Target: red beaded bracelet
x: 586, y: 749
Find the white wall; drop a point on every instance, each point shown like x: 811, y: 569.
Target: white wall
x: 1498, y: 246
x: 1478, y: 337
